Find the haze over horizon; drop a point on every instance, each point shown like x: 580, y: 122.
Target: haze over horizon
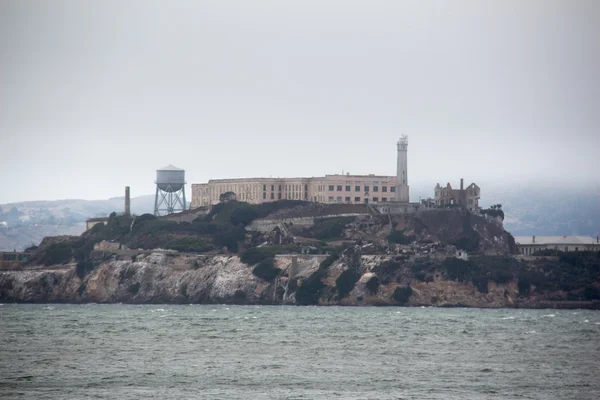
x: 98, y: 95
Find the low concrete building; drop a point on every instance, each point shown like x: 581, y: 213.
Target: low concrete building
x: 13, y: 259
x: 530, y: 244
x: 106, y: 245
x: 89, y: 223
x: 467, y: 197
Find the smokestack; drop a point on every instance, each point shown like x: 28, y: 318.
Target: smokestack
x: 534, y: 239
x: 127, y: 202
x: 462, y: 184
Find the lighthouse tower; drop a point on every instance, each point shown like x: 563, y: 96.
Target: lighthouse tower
x: 402, y: 195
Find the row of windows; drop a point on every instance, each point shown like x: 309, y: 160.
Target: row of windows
x: 286, y: 187
x: 357, y: 199
x: 291, y: 196
x: 348, y: 188
x: 531, y: 250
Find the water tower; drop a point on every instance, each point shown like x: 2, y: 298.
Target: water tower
x: 170, y: 190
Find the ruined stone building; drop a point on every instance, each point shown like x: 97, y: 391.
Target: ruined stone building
x: 467, y: 197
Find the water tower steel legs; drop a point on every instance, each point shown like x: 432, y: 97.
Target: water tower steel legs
x: 169, y: 201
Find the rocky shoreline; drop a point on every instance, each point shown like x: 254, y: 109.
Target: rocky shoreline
x: 159, y: 278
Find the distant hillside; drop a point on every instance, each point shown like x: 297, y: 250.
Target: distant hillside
x: 29, y: 222
x: 546, y: 210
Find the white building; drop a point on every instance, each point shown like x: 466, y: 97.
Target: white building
x: 530, y: 244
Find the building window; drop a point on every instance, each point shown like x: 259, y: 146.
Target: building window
x: 576, y: 248
x: 384, y: 189
x: 376, y: 188
x: 366, y: 189
x: 392, y: 189
x: 339, y: 188
x: 357, y: 188
x: 339, y: 199
x: 384, y: 199
x: 306, y: 188
x: 567, y: 248
x: 272, y: 188
x: 272, y: 196
x: 331, y: 187
x: 347, y: 199
x: 264, y: 195
x: 357, y: 199
x: 330, y: 198
x: 375, y: 199
x: 265, y: 187
x: 280, y: 188
x: 347, y: 188
x: 279, y: 196
x: 366, y: 201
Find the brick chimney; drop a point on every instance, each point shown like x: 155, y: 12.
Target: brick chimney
x: 534, y: 239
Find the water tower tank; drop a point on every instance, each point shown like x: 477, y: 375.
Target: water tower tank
x: 170, y: 178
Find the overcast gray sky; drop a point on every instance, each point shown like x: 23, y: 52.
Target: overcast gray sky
x: 96, y: 95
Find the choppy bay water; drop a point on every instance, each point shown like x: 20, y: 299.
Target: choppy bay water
x: 233, y: 352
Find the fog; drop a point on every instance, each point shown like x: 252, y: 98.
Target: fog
x: 98, y: 95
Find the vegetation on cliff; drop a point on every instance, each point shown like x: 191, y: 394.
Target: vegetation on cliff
x: 391, y: 260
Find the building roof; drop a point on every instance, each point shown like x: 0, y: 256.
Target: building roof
x: 557, y: 240
x: 97, y: 219
x: 170, y: 167
x: 307, y: 178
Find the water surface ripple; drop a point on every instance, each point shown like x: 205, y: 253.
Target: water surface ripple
x: 234, y: 352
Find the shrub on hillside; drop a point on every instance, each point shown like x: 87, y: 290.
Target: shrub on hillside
x: 457, y: 269
x: 326, y: 263
x: 398, y: 237
x: 134, y: 288
x: 469, y: 240
x: 81, y: 288
x: 481, y: 283
x: 266, y: 270
x: 244, y: 216
x: 346, y: 282
x: 189, y: 244
x: 501, y: 277
x: 309, y: 291
x: 83, y: 267
x: 311, y: 288
x: 255, y: 255
x: 328, y: 229
x: 591, y: 293
x: 97, y: 228
x: 58, y: 253
x: 402, y: 294
x: 373, y: 284
x: 524, y: 287
x: 230, y: 238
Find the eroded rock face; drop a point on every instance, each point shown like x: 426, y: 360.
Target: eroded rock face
x: 149, y: 279
x: 156, y: 278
